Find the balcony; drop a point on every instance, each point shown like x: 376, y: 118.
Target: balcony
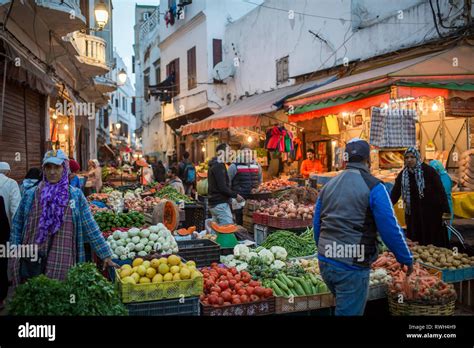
x: 104, y: 84
x: 61, y: 16
x: 90, y: 52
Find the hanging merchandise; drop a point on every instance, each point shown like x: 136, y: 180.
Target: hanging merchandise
x: 331, y: 125
x: 298, y: 148
x: 393, y: 127
x: 279, y: 139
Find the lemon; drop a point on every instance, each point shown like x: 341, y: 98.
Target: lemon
x: 141, y: 270
x: 185, y: 273
x: 126, y: 266
x: 155, y: 263
x: 146, y: 264
x: 174, y: 269
x: 144, y: 280
x: 177, y: 277
x: 168, y: 277
x: 191, y: 264
x: 125, y: 272
x: 163, y: 260
x: 150, y: 272
x: 157, y: 278
x: 174, y: 260
x: 135, y: 276
x: 129, y: 280
x: 135, y: 269
x: 163, y: 268
x: 195, y: 274
x: 137, y: 262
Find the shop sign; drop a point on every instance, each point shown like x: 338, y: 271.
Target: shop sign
x: 460, y: 107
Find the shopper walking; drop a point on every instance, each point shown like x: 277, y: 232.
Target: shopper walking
x: 94, y: 177
x: 187, y: 173
x: 350, y: 209
x: 9, y: 202
x: 73, y: 178
x: 425, y: 201
x: 56, y: 217
x: 32, y: 178
x: 244, y: 176
x: 219, y: 191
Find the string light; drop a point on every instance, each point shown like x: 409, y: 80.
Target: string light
x: 203, y: 149
x: 66, y: 127
x: 250, y: 139
x: 434, y: 107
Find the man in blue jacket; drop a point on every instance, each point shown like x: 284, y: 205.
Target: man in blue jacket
x: 351, y: 208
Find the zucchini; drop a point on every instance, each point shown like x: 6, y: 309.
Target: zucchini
x: 288, y: 281
x: 281, y: 285
x: 277, y: 290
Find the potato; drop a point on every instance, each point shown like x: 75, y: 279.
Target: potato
x: 452, y: 268
x: 472, y: 263
x: 457, y: 257
x: 465, y: 261
x: 456, y: 263
x: 450, y: 259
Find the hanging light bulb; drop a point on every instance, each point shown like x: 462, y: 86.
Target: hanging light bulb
x: 249, y: 139
x: 55, y: 116
x: 434, y: 107
x: 66, y: 126
x: 203, y: 149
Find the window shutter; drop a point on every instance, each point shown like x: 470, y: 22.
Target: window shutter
x: 216, y: 51
x: 192, y: 81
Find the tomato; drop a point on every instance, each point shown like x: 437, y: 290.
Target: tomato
x: 234, y: 271
x: 206, y: 302
x: 222, y: 278
x: 232, y: 283
x: 226, y: 295
x: 214, y: 264
x: 238, y: 277
x: 246, y: 279
x: 236, y: 301
x: 217, y: 289
x: 227, y: 303
x: 259, y: 291
x: 222, y: 271
x: 268, y: 292
x: 250, y: 290
x: 254, y: 298
x: 213, y: 299
x: 245, y: 274
x: 213, y: 293
x: 244, y: 298
x: 206, y: 275
x: 242, y: 292
x: 208, y: 284
x: 254, y: 283
x: 237, y: 287
x: 212, y: 279
x: 223, y: 284
x: 202, y: 297
x: 220, y: 301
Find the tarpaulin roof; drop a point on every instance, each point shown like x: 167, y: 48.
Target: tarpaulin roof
x: 448, y: 69
x: 247, y: 112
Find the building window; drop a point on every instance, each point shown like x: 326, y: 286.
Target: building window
x: 124, y: 104
x: 106, y: 118
x: 146, y: 15
x: 157, y: 66
x: 133, y: 64
x: 282, y: 70
x: 173, y: 68
x: 192, y: 79
x: 216, y: 51
x: 146, y: 83
x: 133, y: 106
x: 117, y: 102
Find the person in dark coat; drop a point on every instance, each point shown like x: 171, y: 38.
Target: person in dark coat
x: 425, y: 201
x: 159, y: 172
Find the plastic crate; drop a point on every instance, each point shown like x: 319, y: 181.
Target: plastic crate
x: 188, y: 306
x: 263, y: 307
x: 304, y: 303
x: 260, y: 233
x: 260, y: 219
x: 285, y: 223
x: 226, y: 251
x: 158, y: 291
x: 202, y: 251
x: 194, y: 215
x: 454, y: 276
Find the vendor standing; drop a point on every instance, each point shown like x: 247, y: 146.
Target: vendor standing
x: 310, y: 164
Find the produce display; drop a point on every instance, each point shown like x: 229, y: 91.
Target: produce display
x: 141, y: 242
x: 289, y: 210
x: 257, y: 261
x: 109, y: 220
x: 95, y: 209
x: 158, y: 270
x: 101, y: 197
x: 274, y: 185
x: 170, y: 193
x: 379, y: 276
x: 295, y: 245
x: 304, y: 195
x: 309, y: 266
x: 142, y: 204
x: 305, y: 284
x: 421, y: 286
x: 202, y: 187
x: 226, y: 286
x: 391, y: 159
x: 441, y: 257
x: 115, y: 201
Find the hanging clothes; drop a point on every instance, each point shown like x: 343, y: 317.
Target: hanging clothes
x: 393, y: 127
x: 298, y: 148
x: 274, y: 139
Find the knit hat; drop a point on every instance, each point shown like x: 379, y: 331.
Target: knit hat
x: 357, y: 150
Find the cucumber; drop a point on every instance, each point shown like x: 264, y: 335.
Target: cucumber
x: 305, y: 286
x: 288, y: 281
x: 277, y: 290
x: 293, y: 292
x: 314, y: 289
x: 313, y: 279
x: 299, y: 290
x: 281, y: 285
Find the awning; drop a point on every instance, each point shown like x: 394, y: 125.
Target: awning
x: 426, y: 75
x: 248, y: 111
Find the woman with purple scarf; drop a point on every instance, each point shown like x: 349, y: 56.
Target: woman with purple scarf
x: 56, y: 217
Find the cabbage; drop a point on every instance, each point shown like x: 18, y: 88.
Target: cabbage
x: 116, y: 235
x: 113, y: 245
x: 279, y: 252
x: 110, y: 238
x: 123, y: 257
x: 136, y: 240
x: 267, y: 256
x: 131, y: 255
x: 131, y: 246
x: 142, y: 253
x: 133, y: 232
x: 153, y: 237
x: 120, y: 242
x: 139, y: 247
x: 157, y: 246
x: 123, y: 235
x: 175, y: 250
x: 144, y: 241
x: 241, y: 251
x: 160, y: 226
x: 144, y: 233
x: 119, y: 250
x: 128, y: 240
x: 114, y: 256
x: 153, y: 229
x: 148, y: 248
x: 151, y: 243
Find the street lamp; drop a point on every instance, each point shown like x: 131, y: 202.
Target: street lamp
x: 122, y: 77
x: 101, y: 15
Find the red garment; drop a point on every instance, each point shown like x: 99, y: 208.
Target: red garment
x: 274, y: 139
x: 74, y: 166
x: 298, y: 146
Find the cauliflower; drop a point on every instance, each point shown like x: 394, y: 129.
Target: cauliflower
x: 226, y: 259
x: 242, y: 267
x: 133, y: 232
x: 278, y: 264
x: 251, y: 255
x: 267, y: 256
x: 280, y: 253
x: 241, y: 251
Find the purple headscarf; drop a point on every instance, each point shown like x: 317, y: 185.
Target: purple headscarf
x: 54, y: 199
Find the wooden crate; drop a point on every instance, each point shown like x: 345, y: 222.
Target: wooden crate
x: 248, y: 223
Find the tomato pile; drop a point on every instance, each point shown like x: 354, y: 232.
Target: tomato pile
x: 226, y: 286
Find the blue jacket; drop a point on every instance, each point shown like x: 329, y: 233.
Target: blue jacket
x: 350, y: 209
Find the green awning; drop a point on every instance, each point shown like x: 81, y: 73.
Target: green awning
x: 338, y: 100
x: 456, y: 86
